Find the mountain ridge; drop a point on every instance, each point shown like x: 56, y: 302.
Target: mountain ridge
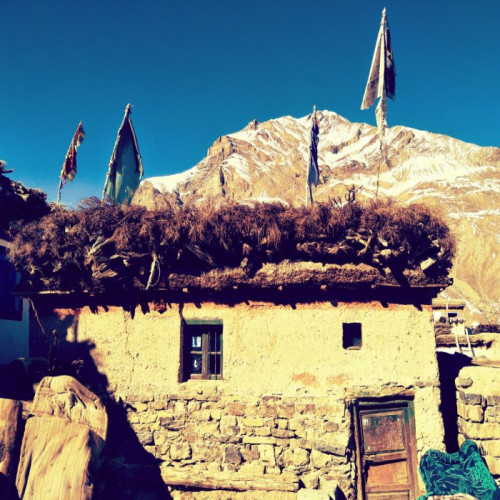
x: 267, y: 162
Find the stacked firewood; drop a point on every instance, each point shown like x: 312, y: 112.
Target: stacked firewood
x: 102, y: 246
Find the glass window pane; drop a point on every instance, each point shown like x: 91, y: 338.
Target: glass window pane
x: 196, y: 342
x: 214, y: 364
x: 214, y: 341
x: 195, y: 363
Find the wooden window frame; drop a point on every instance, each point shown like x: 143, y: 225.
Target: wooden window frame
x: 205, y: 352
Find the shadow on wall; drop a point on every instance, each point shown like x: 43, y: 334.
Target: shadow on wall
x: 449, y: 367
x: 126, y: 471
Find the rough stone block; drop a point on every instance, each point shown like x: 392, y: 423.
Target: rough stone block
x: 253, y: 421
x: 493, y: 400
x: 180, y: 451
x: 305, y: 408
x: 213, y: 467
x: 330, y: 447
x: 258, y: 440
x: 228, y: 421
x: 252, y: 468
x: 331, y: 427
x: 309, y: 494
x: 300, y: 457
x: 140, y: 407
x: 226, y: 438
x: 208, y: 428
x: 150, y: 449
x: 320, y: 459
x: 267, y: 410
x: 273, y: 471
x: 474, y: 430
x: 492, y: 414
x: 162, y: 451
x: 286, y: 410
x: 193, y: 406
x: 464, y: 382
x: 138, y: 398
x: 331, y: 486
x: 145, y: 438
x: 266, y: 453
x: 203, y: 415
x: 237, y: 409
x: 282, y: 423
x: 311, y: 480
x: 132, y: 418
x: 148, y: 417
x: 160, y: 437
x: 158, y: 405
x: 215, y: 414
x: 283, y: 441
x: 263, y: 431
x: 282, y: 433
x: 493, y: 464
x: 232, y: 455
x: 491, y: 448
x: 250, y: 453
x: 469, y: 398
x: 474, y: 413
x: 172, y: 425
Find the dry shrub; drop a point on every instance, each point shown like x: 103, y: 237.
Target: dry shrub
x: 100, y: 245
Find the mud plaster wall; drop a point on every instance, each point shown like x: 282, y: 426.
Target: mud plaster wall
x: 281, y: 409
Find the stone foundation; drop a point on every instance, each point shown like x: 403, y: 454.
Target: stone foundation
x: 268, y: 443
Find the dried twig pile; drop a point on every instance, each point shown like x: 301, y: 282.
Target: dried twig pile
x: 18, y: 205
x: 101, y: 247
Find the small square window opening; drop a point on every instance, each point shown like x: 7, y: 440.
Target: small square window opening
x: 202, y: 350
x: 351, y: 336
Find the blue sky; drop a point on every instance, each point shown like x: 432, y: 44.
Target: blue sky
x: 198, y: 69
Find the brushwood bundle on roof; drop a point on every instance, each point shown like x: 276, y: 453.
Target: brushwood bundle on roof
x: 18, y: 205
x: 101, y: 247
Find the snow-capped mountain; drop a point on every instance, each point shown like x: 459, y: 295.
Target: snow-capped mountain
x: 268, y: 162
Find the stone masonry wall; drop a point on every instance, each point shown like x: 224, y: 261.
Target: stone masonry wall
x: 478, y: 407
x: 207, y: 433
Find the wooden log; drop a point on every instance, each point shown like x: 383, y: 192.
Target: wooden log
x: 476, y: 340
x: 228, y: 480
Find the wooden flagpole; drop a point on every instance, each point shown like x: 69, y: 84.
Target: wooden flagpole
x: 59, y: 190
x: 308, y: 185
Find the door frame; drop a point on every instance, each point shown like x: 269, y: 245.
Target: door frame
x: 386, y: 403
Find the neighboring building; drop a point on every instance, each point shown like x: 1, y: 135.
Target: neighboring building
x: 270, y: 386
x: 14, y: 324
x: 19, y: 204
x: 448, y: 311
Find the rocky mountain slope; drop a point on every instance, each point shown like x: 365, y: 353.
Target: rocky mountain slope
x: 268, y: 162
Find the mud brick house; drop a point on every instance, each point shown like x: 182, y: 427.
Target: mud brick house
x: 296, y: 368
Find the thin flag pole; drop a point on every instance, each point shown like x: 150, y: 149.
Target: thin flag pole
x: 59, y: 191
x: 381, y: 84
x: 309, y: 193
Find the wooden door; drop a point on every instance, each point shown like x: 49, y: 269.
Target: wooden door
x: 385, y: 439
